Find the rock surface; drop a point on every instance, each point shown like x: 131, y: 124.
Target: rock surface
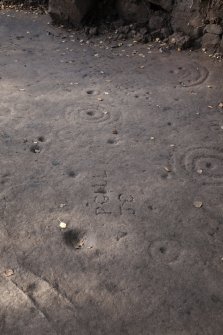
x: 221, y: 46
x: 164, y: 4
x: 180, y: 40
x: 178, y: 16
x: 211, y: 41
x: 122, y: 146
x: 69, y: 11
x: 25, y: 2
x: 133, y: 10
x: 214, y: 29
x: 161, y: 17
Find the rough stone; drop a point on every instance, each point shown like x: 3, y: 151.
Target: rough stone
x: 174, y: 16
x: 136, y: 258
x: 69, y: 11
x: 213, y: 29
x: 221, y: 46
x: 24, y: 2
x: 156, y: 22
x: 196, y: 21
x: 190, y: 20
x: 210, y: 41
x: 180, y: 40
x: 197, y: 33
x: 133, y: 10
x: 93, y: 31
x: 215, y: 11
x: 165, y: 32
x: 184, y: 16
x: 165, y: 4
x: 124, y: 30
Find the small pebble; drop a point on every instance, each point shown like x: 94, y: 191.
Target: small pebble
x: 8, y: 272
x: 63, y: 225
x: 198, y: 204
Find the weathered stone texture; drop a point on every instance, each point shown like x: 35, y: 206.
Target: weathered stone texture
x: 132, y: 10
x: 214, y: 29
x: 211, y: 41
x: 70, y: 11
x: 194, y: 18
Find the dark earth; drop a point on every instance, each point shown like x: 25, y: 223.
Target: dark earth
x: 111, y: 185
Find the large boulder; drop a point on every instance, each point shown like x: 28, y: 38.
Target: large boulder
x: 164, y: 4
x: 133, y: 10
x: 211, y: 42
x: 24, y: 2
x: 213, y: 29
x: 193, y: 21
x: 186, y: 16
x: 69, y: 11
x: 214, y: 11
x: 221, y: 46
x: 139, y: 10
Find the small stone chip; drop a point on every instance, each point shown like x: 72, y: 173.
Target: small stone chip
x: 62, y: 205
x: 8, y: 272
x: 220, y: 105
x: 167, y: 169
x: 63, y: 225
x: 198, y: 204
x: 199, y: 171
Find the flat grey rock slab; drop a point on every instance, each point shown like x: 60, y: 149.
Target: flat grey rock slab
x: 111, y: 186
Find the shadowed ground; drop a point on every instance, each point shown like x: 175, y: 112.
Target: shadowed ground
x: 124, y: 145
